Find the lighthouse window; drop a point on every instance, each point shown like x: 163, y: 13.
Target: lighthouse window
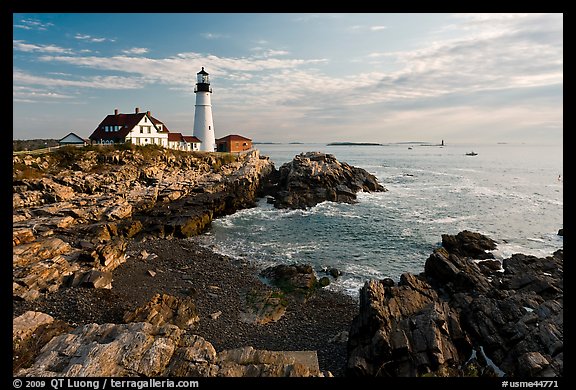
x: 209, y: 128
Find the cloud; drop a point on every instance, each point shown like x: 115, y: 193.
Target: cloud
x: 29, y: 95
x: 362, y: 28
x: 101, y: 82
x: 29, y: 47
x: 136, y: 50
x: 209, y: 35
x: 33, y: 24
x: 177, y: 70
x: 89, y: 38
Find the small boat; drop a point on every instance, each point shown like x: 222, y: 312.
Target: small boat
x: 471, y: 154
x: 409, y: 147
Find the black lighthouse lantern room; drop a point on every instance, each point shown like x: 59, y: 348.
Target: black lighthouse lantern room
x: 203, y: 82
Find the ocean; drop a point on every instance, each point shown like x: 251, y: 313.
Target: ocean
x: 513, y: 193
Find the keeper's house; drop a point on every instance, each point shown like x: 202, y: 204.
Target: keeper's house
x: 139, y: 128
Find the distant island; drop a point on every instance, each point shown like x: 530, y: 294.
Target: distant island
x: 353, y: 144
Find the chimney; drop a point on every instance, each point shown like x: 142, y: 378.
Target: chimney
x: 148, y: 113
x: 137, y: 110
x: 115, y: 111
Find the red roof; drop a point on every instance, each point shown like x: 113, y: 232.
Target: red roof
x: 182, y: 138
x: 174, y: 136
x: 126, y: 123
x: 233, y: 137
x: 191, y: 139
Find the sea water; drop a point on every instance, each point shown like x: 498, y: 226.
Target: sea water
x: 513, y: 193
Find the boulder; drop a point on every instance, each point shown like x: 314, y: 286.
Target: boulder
x: 166, y: 309
x: 299, y: 279
x: 314, y: 177
x: 510, y: 322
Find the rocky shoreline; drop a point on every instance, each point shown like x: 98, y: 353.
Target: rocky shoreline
x: 216, y: 284
x: 105, y: 282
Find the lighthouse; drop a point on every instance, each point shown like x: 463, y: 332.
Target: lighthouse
x: 203, y: 124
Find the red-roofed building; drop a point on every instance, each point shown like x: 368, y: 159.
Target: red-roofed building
x: 233, y: 143
x: 183, y: 142
x: 140, y: 128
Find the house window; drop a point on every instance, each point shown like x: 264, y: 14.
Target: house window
x: 141, y: 129
x: 145, y: 119
x: 148, y: 129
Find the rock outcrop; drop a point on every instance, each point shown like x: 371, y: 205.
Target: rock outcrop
x: 75, y: 208
x: 460, y: 318
x: 143, y: 349
x: 314, y: 177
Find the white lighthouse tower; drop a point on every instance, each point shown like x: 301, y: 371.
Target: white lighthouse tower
x: 203, y: 124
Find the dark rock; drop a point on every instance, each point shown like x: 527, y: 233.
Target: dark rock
x: 469, y: 244
x: 429, y: 325
x: 560, y: 232
x: 294, y: 278
x: 324, y: 281
x: 316, y: 177
x: 334, y: 272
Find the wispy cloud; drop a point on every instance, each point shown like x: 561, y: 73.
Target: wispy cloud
x: 101, y: 82
x: 209, y: 35
x: 89, y: 38
x: 32, y: 24
x: 30, y: 47
x: 364, y: 28
x: 29, y: 95
x: 378, y: 28
x: 177, y: 70
x: 136, y: 50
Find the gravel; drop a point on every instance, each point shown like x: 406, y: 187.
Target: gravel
x: 217, y: 283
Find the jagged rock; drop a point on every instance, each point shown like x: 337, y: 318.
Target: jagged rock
x: 39, y: 250
x: 24, y: 325
x: 560, y: 232
x: 146, y: 350
x: 469, y: 244
x: 166, y: 309
x: 404, y: 331
x: 249, y: 362
x: 30, y: 332
x: 314, y: 177
x: 22, y: 236
x: 429, y: 325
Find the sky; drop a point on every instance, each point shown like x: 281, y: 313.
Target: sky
x: 296, y: 77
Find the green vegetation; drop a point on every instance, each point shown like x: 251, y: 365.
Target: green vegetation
x: 222, y: 159
x: 33, y: 144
